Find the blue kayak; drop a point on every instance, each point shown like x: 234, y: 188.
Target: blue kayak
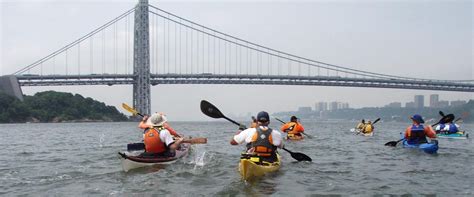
x: 430, y: 148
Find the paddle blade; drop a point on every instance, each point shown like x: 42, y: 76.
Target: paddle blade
x: 391, y: 143
x: 129, y: 109
x: 301, y: 157
x: 298, y: 156
x: 196, y: 141
x: 210, y: 110
x: 441, y: 113
x: 376, y: 121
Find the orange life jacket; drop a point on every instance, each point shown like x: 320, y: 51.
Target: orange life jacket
x: 153, y: 143
x: 263, y: 143
x: 293, y: 128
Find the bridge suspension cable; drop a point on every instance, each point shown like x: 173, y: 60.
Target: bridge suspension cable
x: 75, y: 43
x: 275, y: 53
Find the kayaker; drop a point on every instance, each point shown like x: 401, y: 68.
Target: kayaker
x: 293, y: 128
x: 254, y: 122
x: 261, y: 141
x: 145, y: 124
x: 417, y: 133
x: 447, y: 126
x: 158, y: 140
x: 368, y: 128
x: 360, y: 126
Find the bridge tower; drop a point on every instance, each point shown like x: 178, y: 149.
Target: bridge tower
x: 141, y: 59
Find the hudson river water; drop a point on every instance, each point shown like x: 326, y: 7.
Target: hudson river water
x: 80, y: 159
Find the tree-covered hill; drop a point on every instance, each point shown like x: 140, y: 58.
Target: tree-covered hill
x: 51, y: 106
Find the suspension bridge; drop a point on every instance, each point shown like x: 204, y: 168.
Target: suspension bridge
x: 148, y: 46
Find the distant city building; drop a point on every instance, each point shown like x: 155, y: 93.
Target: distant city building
x: 419, y: 101
x: 333, y: 106
x: 410, y: 105
x: 304, y: 109
x: 442, y: 104
x: 434, y: 100
x: 457, y: 103
x: 394, y: 105
x: 345, y: 106
x: 321, y: 106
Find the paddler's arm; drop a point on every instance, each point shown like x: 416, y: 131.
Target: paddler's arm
x: 284, y: 127
x: 301, y: 128
x: 429, y: 132
x: 407, y: 132
x: 277, y: 139
x: 239, y: 137
x: 142, y: 124
x: 171, y: 130
x: 175, y: 144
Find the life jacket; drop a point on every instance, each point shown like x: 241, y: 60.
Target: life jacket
x: 416, y: 135
x: 153, y: 143
x: 368, y: 128
x: 262, y: 143
x: 452, y: 128
x: 293, y: 129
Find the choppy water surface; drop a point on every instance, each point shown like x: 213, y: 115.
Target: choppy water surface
x: 81, y: 159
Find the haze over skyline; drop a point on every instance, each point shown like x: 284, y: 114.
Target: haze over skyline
x: 405, y: 38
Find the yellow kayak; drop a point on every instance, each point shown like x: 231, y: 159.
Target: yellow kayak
x: 294, y: 137
x: 251, y: 167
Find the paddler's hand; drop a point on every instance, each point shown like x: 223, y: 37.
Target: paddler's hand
x: 178, y: 140
x: 242, y: 127
x: 145, y: 118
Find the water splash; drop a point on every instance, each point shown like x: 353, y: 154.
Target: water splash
x: 101, y: 140
x: 199, y: 160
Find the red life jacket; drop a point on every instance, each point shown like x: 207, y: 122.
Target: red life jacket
x: 153, y: 143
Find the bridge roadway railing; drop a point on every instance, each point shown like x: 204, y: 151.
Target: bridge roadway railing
x: 208, y: 78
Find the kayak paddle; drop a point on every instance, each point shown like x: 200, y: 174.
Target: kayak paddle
x: 393, y: 143
x: 298, y: 156
x: 210, y: 110
x: 282, y: 122
x: 131, y: 110
x: 213, y: 112
x: 141, y: 146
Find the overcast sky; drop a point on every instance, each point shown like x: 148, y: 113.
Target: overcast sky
x: 426, y: 39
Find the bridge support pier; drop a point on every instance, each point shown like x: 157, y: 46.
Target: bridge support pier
x: 9, y: 85
x: 141, y: 59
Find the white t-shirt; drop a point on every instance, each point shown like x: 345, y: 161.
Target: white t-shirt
x: 247, y: 134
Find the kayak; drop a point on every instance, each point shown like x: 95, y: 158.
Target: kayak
x: 294, y: 137
x: 457, y: 135
x: 251, y: 167
x: 430, y: 148
x: 366, y: 134
x: 133, y: 160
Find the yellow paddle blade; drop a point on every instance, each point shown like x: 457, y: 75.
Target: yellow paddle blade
x: 130, y: 109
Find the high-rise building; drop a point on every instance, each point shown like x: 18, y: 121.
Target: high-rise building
x: 333, y: 106
x: 394, y: 105
x: 442, y: 104
x: 321, y: 106
x: 304, y: 109
x: 410, y: 105
x: 434, y: 100
x: 419, y: 101
x: 457, y: 103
